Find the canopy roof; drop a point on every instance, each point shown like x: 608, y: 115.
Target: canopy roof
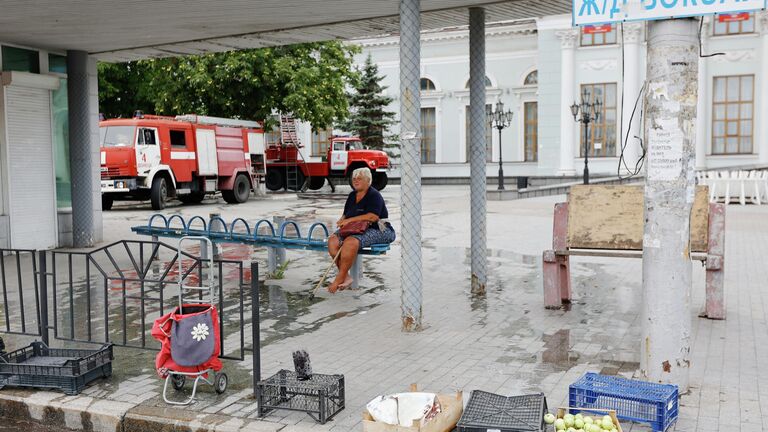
x: 121, y: 30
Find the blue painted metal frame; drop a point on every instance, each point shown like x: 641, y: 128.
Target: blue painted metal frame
x: 273, y: 238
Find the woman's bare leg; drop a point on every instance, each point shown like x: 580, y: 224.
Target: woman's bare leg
x: 348, y: 255
x: 333, y: 246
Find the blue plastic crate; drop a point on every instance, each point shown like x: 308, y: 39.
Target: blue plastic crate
x: 639, y: 401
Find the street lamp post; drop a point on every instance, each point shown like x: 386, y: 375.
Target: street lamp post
x: 500, y: 120
x: 590, y: 110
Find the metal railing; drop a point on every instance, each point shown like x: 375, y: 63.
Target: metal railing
x: 114, y: 294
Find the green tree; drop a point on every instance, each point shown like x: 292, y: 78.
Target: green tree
x: 307, y: 80
x: 123, y: 89
x: 369, y: 118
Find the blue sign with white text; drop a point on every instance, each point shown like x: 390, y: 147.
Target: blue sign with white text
x: 586, y: 12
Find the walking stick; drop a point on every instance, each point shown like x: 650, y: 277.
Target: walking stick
x: 322, y: 279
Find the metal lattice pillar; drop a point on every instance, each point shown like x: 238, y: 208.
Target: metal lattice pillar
x: 477, y: 145
x: 670, y: 130
x: 80, y: 149
x: 410, y: 157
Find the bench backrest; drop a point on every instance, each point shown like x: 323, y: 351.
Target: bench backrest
x: 611, y: 217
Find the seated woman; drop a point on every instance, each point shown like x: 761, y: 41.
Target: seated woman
x: 364, y: 203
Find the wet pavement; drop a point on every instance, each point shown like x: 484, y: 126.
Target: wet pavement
x: 503, y: 342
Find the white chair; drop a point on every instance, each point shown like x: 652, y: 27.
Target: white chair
x: 712, y: 179
x: 742, y: 179
x: 753, y: 183
x: 725, y: 177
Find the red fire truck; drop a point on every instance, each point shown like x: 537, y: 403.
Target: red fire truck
x: 287, y: 169
x: 154, y: 158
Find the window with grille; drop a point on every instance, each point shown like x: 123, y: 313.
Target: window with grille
x: 488, y: 83
x: 320, y: 141
x: 531, y: 138
x: 601, y: 138
x: 532, y: 78
x: 596, y: 36
x: 731, y: 24
x: 427, y: 85
x: 732, y: 114
x: 488, y: 135
x: 428, y: 138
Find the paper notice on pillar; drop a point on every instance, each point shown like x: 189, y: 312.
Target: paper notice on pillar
x: 665, y: 151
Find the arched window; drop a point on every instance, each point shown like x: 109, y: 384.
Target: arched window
x: 488, y: 83
x: 427, y: 85
x: 532, y: 78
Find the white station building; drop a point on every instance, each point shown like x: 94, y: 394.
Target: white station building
x: 539, y: 67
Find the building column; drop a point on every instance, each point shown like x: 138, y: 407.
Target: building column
x: 633, y: 36
x: 567, y: 97
x: 80, y: 149
x: 410, y: 157
x: 763, y: 95
x: 701, y: 108
x: 477, y: 155
x: 670, y: 128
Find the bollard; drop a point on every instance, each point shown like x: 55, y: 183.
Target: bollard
x: 356, y: 271
x: 214, y: 226
x: 275, y: 255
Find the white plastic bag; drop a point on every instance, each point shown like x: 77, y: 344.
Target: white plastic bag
x: 404, y: 408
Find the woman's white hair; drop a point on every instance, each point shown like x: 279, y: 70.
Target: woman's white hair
x: 365, y: 173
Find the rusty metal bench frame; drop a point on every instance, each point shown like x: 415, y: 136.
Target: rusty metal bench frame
x: 557, y: 270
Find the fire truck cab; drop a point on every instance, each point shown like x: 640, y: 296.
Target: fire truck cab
x: 155, y: 158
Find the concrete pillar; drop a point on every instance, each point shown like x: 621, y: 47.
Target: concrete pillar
x: 633, y: 38
x: 701, y: 109
x: 567, y: 97
x: 477, y: 155
x: 80, y: 124
x: 410, y: 157
x: 762, y: 147
x: 670, y: 129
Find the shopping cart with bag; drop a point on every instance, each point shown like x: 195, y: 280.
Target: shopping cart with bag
x: 189, y: 336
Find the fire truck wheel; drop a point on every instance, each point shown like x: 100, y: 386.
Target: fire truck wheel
x: 193, y: 198
x: 380, y: 180
x: 106, y: 202
x: 275, y: 179
x: 240, y: 192
x: 159, y: 194
x: 316, y: 183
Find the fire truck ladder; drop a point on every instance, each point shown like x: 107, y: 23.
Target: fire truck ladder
x: 290, y: 138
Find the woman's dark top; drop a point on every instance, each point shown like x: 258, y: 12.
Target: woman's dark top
x: 372, y: 202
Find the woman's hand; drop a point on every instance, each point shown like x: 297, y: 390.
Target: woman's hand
x: 342, y: 222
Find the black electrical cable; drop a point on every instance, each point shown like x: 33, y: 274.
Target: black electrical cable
x: 622, y: 160
x: 701, y: 53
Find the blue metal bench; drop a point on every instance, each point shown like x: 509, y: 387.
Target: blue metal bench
x: 286, y: 236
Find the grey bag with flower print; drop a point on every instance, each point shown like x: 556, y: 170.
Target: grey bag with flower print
x: 192, y: 337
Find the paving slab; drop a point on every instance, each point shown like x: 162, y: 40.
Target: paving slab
x: 503, y: 342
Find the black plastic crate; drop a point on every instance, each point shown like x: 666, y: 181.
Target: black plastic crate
x: 486, y: 411
x: 69, y: 370
x: 321, y: 396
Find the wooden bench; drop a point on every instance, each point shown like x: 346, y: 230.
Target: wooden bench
x: 607, y: 221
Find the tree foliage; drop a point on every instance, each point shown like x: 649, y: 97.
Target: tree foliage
x: 369, y: 118
x: 307, y: 80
